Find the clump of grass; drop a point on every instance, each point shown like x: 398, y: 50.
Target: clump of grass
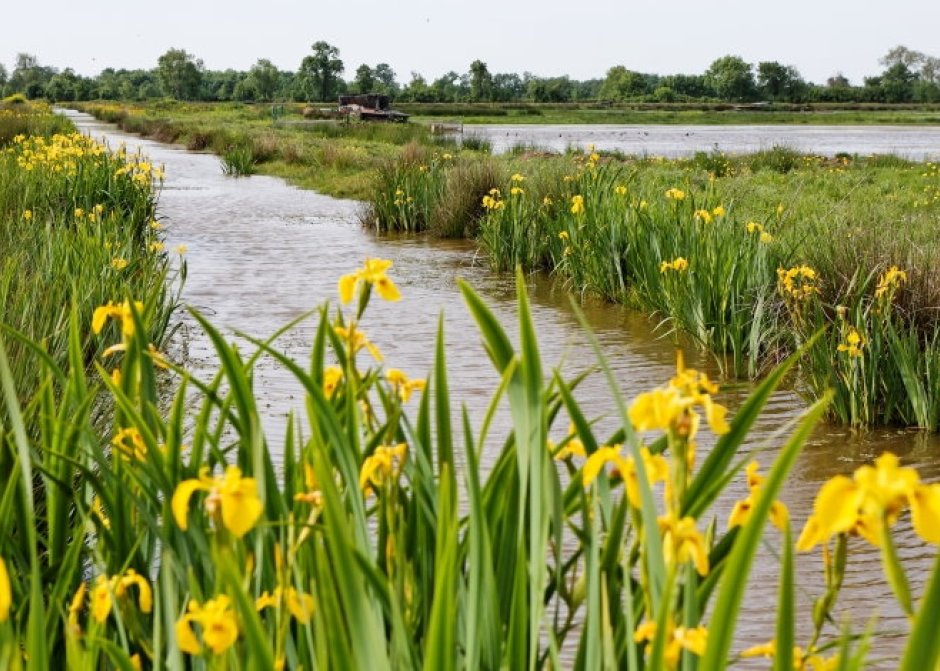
x: 238, y: 161
x: 473, y: 142
x: 776, y: 159
x: 457, y: 213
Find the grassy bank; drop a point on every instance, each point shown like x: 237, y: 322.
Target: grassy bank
x: 77, y: 229
x: 708, y: 245
x: 330, y: 156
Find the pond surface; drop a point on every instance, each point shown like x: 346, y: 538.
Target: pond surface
x: 914, y: 142
x: 261, y: 253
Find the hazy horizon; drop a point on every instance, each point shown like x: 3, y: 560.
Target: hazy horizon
x: 820, y: 39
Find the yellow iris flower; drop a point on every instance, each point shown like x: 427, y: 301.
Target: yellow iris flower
x: 120, y: 313
x: 356, y: 340
x: 232, y: 497
x: 779, y: 515
x: 656, y: 466
x: 217, y: 622
x: 577, y: 204
x: 384, y: 464
x: 403, y: 386
x: 683, y: 542
x: 106, y: 588
x: 372, y: 273
x: 299, y: 604
x: 693, y: 639
x: 874, y: 497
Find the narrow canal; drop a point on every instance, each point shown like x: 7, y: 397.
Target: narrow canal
x: 261, y: 253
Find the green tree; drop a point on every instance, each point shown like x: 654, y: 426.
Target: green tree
x: 418, y: 90
x: 264, y: 79
x: 623, y: 84
x: 688, y: 86
x: 779, y: 82
x: 731, y: 78
x: 320, y: 72
x: 65, y: 85
x: 481, y: 82
x: 3, y: 79
x: 897, y: 83
x: 29, y: 76
x: 385, y: 79
x: 180, y: 74
x: 507, y: 87
x: 449, y: 87
x: 365, y: 79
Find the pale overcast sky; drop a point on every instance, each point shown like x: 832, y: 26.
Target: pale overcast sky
x: 581, y: 39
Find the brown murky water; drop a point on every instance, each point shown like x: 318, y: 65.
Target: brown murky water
x: 261, y: 253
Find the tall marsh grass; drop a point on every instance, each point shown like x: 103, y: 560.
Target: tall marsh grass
x: 173, y: 540
x: 77, y: 227
x: 698, y: 243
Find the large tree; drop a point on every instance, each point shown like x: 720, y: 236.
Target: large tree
x: 385, y: 79
x: 180, y: 74
x: 622, y: 84
x: 364, y: 81
x: 29, y: 76
x: 481, y: 82
x: 731, y: 78
x: 264, y: 79
x: 779, y: 82
x: 320, y: 72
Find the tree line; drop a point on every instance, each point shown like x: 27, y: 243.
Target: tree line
x: 908, y: 76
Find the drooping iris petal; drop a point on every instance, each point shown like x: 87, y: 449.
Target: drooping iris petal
x: 241, y: 506
x: 179, y: 504
x: 836, y: 506
x: 925, y: 512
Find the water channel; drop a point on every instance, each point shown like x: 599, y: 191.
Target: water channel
x: 261, y: 252
x: 914, y: 142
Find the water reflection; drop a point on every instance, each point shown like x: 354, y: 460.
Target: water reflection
x: 262, y: 253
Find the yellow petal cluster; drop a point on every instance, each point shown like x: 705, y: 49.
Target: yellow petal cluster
x: 693, y: 639
x: 299, y: 604
x: 121, y: 313
x: 217, y: 623
x: 873, y: 498
x: 332, y: 376
x: 683, y: 542
x: 655, y: 465
x: 232, y: 498
x: 675, y: 194
x: 678, y: 264
x: 797, y: 283
x: 372, y: 273
x: 890, y: 282
x: 573, y: 446
x: 402, y: 385
x: 779, y: 515
x: 853, y: 343
x: 356, y: 340
x: 381, y: 466
x: 106, y: 589
x: 577, y: 204
x: 673, y: 407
